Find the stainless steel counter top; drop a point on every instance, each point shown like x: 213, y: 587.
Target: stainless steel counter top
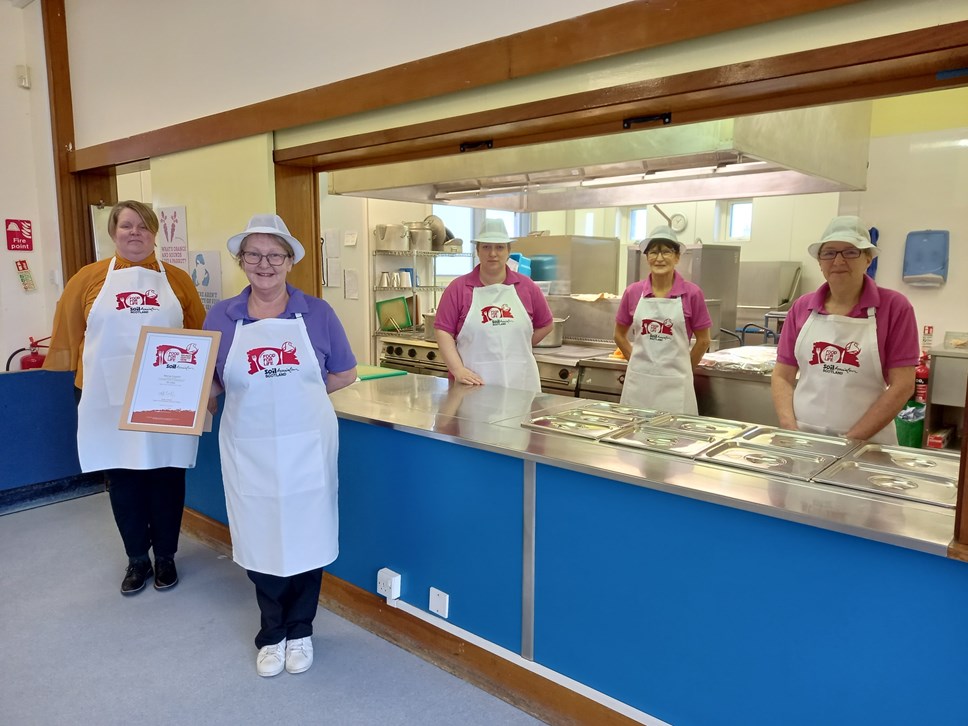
x: 490, y: 418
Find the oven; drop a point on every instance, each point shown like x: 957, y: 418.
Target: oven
x: 557, y: 377
x: 601, y: 379
x: 413, y: 355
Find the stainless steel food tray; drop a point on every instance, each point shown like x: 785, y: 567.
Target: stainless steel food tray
x: 909, y: 461
x: 799, y: 441
x: 617, y: 409
x: 913, y: 486
x: 782, y: 462
x: 587, y: 430
x: 655, y: 439
x: 719, y: 428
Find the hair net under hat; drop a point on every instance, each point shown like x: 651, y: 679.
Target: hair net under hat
x: 662, y: 233
x: 267, y: 224
x: 849, y: 229
x: 493, y: 231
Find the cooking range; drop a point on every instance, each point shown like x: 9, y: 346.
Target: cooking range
x: 558, y: 367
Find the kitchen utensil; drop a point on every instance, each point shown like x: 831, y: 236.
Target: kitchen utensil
x: 393, y: 314
x: 438, y: 232
x: 891, y: 481
x: 421, y: 236
x: 395, y: 279
x: 429, y: 332
x: 554, y: 338
x: 405, y: 280
x: 654, y: 439
x: 782, y: 462
x: 413, y: 276
x: 385, y: 279
x: 391, y: 237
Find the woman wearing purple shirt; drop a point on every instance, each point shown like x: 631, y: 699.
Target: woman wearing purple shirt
x: 280, y: 355
x: 854, y: 345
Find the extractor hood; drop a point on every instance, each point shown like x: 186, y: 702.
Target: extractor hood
x: 801, y: 151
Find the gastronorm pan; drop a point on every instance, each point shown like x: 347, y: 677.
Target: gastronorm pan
x: 781, y: 462
x: 799, y: 441
x: 650, y: 438
x: 913, y: 486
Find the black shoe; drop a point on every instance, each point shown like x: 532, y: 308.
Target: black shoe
x: 135, y: 577
x: 165, y: 573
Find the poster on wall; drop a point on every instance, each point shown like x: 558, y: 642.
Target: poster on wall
x: 20, y: 235
x: 174, y: 236
x: 206, y: 273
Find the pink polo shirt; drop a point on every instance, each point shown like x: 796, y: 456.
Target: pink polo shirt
x: 455, y: 303
x: 897, y: 328
x: 693, y: 302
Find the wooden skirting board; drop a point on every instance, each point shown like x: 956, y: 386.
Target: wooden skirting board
x: 530, y: 692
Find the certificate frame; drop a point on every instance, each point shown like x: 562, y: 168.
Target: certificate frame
x: 170, y: 381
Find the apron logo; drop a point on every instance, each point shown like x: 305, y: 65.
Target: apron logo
x: 657, y: 329
x: 137, y: 302
x: 834, y: 358
x: 496, y: 315
x: 269, y: 360
x: 171, y: 356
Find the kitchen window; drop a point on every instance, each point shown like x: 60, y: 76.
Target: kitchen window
x: 736, y: 219
x: 463, y: 222
x: 638, y: 224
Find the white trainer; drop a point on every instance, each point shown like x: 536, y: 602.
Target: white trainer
x: 271, y: 659
x: 299, y: 654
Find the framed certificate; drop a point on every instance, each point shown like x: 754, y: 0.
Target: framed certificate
x: 170, y: 381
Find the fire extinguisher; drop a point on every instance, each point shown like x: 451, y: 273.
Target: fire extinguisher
x: 921, y: 374
x: 34, y: 358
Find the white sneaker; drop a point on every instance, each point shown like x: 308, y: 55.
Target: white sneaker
x: 271, y: 659
x: 299, y: 654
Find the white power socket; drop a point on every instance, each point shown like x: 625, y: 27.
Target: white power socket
x: 388, y: 583
x: 439, y: 602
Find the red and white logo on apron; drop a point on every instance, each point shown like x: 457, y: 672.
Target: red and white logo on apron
x: 269, y: 360
x: 657, y: 329
x: 834, y: 358
x: 496, y: 315
x: 137, y: 302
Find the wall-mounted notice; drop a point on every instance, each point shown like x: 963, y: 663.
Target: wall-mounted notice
x: 20, y: 235
x: 206, y: 273
x: 173, y: 236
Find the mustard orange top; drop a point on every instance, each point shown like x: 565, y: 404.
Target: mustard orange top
x: 80, y: 292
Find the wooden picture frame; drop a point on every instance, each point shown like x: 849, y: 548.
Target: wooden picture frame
x: 170, y: 381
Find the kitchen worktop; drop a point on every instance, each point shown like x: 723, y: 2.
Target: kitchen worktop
x: 490, y: 418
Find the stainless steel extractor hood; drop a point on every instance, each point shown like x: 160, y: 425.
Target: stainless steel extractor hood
x: 801, y: 151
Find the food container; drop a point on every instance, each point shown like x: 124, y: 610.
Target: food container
x: 913, y: 461
x: 799, y: 441
x: 893, y: 482
x: 719, y: 428
x: 554, y: 338
x: 780, y: 462
x: 587, y: 430
x: 638, y: 414
x: 391, y: 237
x: 429, y: 332
x: 421, y: 236
x: 656, y: 439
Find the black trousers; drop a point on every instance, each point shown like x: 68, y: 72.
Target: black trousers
x: 287, y: 605
x: 148, y: 506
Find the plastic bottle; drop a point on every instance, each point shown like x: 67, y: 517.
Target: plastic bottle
x: 921, y: 380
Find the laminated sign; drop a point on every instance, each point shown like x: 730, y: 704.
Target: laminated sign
x: 20, y: 235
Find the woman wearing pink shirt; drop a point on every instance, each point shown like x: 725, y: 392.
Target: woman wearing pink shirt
x: 489, y: 319
x: 854, y: 344
x: 656, y: 320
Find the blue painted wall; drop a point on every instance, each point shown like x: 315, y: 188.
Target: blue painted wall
x: 441, y: 515
x: 38, y: 427
x: 203, y: 484
x: 704, y: 615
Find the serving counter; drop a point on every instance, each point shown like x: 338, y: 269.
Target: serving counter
x: 687, y: 591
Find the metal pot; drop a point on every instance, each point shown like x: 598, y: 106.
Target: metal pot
x: 429, y: 332
x: 553, y: 339
x: 421, y: 236
x: 390, y: 237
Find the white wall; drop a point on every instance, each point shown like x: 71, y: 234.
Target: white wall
x: 26, y: 181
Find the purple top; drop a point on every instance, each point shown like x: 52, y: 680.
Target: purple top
x: 693, y: 302
x: 325, y: 330
x: 456, y: 301
x: 897, y: 329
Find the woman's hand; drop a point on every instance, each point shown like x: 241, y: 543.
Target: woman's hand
x: 467, y: 377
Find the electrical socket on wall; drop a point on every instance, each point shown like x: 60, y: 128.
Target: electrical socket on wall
x: 388, y: 583
x: 439, y: 602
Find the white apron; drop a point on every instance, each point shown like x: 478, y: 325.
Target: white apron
x: 840, y: 374
x: 495, y: 339
x: 131, y: 298
x: 278, y: 440
x: 659, y: 373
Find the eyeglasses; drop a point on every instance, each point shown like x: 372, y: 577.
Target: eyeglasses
x: 851, y: 253
x: 274, y: 258
x: 662, y: 253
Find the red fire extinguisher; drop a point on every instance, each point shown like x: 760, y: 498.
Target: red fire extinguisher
x: 921, y: 374
x: 34, y: 358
